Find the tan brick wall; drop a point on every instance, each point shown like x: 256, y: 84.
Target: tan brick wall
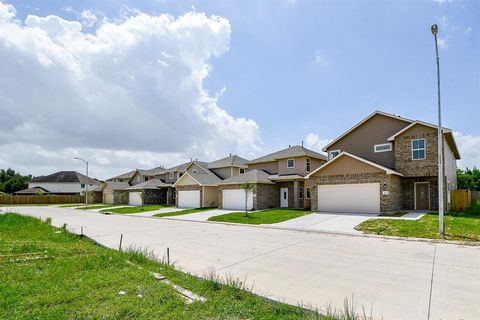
x: 388, y: 203
x: 403, y: 153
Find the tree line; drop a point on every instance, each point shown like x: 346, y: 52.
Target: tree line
x: 11, y: 181
x: 468, y: 179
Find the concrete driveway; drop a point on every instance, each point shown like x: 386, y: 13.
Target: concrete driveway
x: 401, y: 279
x: 330, y: 222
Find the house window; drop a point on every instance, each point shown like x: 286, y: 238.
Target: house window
x: 418, y: 149
x: 332, y: 154
x: 384, y: 147
x: 308, y: 165
x: 174, y: 194
x: 171, y: 175
x: 194, y: 171
x: 291, y: 163
x: 82, y: 185
x: 242, y: 171
x: 146, y: 178
x: 308, y: 193
x: 300, y: 193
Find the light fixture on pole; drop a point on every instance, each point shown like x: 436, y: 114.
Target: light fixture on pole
x: 441, y: 209
x: 86, y: 180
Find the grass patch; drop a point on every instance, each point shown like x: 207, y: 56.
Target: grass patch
x: 81, y: 280
x: 261, y: 217
x: 182, y: 212
x: 98, y: 206
x: 137, y: 209
x: 463, y: 226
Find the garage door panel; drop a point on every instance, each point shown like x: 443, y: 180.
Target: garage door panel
x: 235, y: 200
x: 135, y: 198
x: 189, y: 199
x: 108, y: 198
x: 356, y: 198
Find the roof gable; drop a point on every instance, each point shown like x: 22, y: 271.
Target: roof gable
x: 376, y: 113
x: 290, y: 152
x: 230, y: 161
x: 339, y: 158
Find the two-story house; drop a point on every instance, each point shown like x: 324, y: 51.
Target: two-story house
x: 384, y: 163
x: 63, y: 183
x: 278, y: 179
x: 198, y: 185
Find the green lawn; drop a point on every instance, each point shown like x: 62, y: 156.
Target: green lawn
x: 463, y: 226
x: 261, y: 217
x: 182, y: 212
x: 137, y: 209
x: 81, y: 280
x: 98, y: 206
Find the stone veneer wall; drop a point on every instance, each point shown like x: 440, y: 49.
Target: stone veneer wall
x: 388, y: 203
x: 120, y: 197
x: 188, y: 188
x: 409, y: 192
x: 155, y: 196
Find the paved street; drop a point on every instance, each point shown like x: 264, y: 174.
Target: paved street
x: 400, y: 279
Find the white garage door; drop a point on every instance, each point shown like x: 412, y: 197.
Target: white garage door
x: 356, y: 198
x: 135, y: 198
x: 235, y: 200
x: 189, y: 199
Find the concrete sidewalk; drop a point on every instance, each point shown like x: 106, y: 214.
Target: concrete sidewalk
x: 202, y: 215
x: 400, y: 279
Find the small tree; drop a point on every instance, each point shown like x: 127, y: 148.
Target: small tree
x: 248, y: 189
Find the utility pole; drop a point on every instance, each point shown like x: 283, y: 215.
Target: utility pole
x: 441, y: 209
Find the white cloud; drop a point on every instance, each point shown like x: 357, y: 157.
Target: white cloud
x: 469, y: 147
x: 314, y: 142
x: 88, y: 18
x: 135, y: 86
x: 442, y: 2
x: 320, y: 60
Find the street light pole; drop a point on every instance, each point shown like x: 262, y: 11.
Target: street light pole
x: 86, y: 180
x: 441, y: 209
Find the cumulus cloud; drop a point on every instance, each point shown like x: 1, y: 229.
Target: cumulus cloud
x: 442, y: 2
x: 469, y: 147
x: 314, y: 142
x: 320, y: 61
x: 135, y: 84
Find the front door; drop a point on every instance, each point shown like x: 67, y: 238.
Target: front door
x: 422, y: 196
x: 284, y: 197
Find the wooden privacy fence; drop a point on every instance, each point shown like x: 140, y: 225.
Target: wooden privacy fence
x: 47, y: 199
x: 461, y: 200
x: 475, y: 195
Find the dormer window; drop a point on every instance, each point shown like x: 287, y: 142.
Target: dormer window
x: 332, y: 154
x: 291, y: 163
x: 384, y: 147
x: 171, y: 176
x: 418, y: 149
x: 308, y: 164
x: 194, y: 171
x: 242, y: 170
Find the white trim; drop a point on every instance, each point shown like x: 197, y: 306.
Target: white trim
x: 392, y: 138
x: 424, y: 148
x: 361, y: 122
x: 344, y: 153
x: 330, y: 154
x: 382, y: 145
x: 288, y: 167
x: 415, y: 193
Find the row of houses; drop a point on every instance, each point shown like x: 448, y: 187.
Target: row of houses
x: 384, y: 163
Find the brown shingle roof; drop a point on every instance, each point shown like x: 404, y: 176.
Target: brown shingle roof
x: 65, y: 177
x: 290, y: 152
x: 231, y: 161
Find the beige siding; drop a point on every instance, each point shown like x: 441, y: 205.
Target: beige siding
x: 210, y: 197
x: 187, y: 181
x: 195, y: 167
x: 347, y: 165
x: 374, y: 131
x: 269, y: 167
x: 136, y: 179
x: 450, y: 167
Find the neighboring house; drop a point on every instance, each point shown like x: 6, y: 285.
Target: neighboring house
x: 124, y: 177
x: 114, y: 192
x: 230, y: 166
x: 64, y: 183
x: 197, y: 187
x: 152, y: 191
x: 279, y: 180
x: 31, y: 191
x: 385, y: 163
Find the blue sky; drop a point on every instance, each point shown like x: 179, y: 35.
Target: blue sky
x: 301, y: 67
